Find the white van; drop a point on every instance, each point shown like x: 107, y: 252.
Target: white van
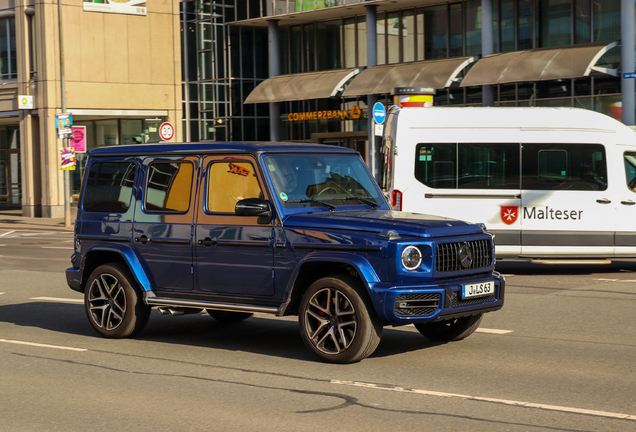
x: 548, y: 182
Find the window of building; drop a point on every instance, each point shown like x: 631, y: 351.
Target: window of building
x: 33, y: 64
x: 228, y: 183
x: 109, y: 187
x: 468, y: 166
x: 554, y: 23
x: 473, y: 27
x: 168, y: 187
x: 435, y: 31
x: 409, y: 36
x: 507, y: 25
x: 456, y: 30
x: 8, y: 60
x: 328, y: 56
x: 564, y: 167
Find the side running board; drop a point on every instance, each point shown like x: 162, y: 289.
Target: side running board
x: 155, y: 301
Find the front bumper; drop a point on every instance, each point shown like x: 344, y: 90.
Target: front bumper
x: 417, y: 303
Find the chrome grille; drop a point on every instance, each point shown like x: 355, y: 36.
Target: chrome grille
x: 416, y: 304
x: 447, y: 256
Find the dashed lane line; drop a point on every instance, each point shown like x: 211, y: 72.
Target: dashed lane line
x: 521, y: 404
x: 57, y: 247
x: 7, y: 233
x: 58, y: 300
x: 39, y: 345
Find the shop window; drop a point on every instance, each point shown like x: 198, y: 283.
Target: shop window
x: 168, y: 188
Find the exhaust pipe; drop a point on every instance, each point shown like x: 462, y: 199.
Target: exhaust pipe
x: 177, y: 311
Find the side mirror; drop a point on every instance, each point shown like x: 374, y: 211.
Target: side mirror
x: 254, y: 207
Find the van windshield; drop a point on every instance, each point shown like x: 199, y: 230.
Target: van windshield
x: 302, y: 180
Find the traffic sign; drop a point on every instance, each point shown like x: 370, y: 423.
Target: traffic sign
x: 629, y: 75
x: 379, y: 112
x: 166, y: 131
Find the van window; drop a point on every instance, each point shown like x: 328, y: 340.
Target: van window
x: 630, y: 170
x: 564, y: 167
x: 109, y: 187
x: 230, y: 182
x: 468, y: 165
x: 168, y: 187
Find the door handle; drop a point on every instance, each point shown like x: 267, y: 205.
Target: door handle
x: 630, y: 202
x: 143, y: 239
x: 603, y: 201
x: 207, y: 242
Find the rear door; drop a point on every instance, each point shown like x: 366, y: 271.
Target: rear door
x: 567, y: 208
x: 164, y: 214
x: 234, y: 254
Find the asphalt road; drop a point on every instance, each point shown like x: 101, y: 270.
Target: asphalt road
x: 559, y: 356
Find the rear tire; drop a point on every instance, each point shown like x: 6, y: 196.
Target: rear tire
x: 450, y: 330
x: 114, y: 302
x: 228, y: 316
x: 337, y: 321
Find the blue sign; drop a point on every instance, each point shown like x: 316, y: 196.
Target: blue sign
x: 379, y: 113
x: 628, y: 75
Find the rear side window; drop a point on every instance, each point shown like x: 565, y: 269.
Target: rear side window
x: 109, y: 187
x: 230, y: 182
x: 468, y: 165
x: 577, y: 167
x: 168, y: 187
x: 630, y: 170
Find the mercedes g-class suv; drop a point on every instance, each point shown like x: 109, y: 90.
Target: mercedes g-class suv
x: 284, y: 229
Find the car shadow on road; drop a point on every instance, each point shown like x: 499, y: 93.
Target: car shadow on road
x: 258, y: 334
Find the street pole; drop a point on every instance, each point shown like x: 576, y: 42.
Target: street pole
x: 67, y: 174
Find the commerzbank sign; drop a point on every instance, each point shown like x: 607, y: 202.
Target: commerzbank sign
x: 350, y: 114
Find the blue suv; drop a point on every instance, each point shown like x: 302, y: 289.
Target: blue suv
x: 283, y: 229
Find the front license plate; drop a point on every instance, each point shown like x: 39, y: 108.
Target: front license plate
x: 481, y: 289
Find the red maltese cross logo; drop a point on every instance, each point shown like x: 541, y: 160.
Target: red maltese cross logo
x: 509, y: 214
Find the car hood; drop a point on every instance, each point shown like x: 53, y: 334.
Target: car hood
x: 407, y: 224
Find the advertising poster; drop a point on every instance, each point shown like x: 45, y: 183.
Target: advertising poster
x: 63, y: 125
x: 69, y: 161
x: 78, y: 139
x: 129, y: 7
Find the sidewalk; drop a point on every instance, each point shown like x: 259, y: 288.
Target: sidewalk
x: 13, y: 220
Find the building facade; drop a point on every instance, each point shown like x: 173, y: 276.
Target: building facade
x: 116, y: 69
x: 257, y: 70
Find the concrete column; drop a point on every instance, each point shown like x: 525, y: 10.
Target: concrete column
x: 488, y: 91
x: 627, y: 61
x: 274, y: 69
x: 372, y: 60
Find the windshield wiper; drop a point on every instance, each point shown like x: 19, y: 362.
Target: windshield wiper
x: 364, y: 200
x: 314, y: 201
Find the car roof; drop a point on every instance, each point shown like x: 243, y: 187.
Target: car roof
x: 215, y: 147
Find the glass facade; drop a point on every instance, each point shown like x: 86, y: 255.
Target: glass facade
x: 224, y: 60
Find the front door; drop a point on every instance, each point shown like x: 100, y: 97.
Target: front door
x: 234, y: 254
x: 625, y: 239
x: 10, y: 168
x: 162, y: 233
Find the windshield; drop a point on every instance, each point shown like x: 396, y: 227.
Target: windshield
x: 311, y: 180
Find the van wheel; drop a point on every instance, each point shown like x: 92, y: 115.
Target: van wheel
x: 228, y: 316
x: 113, y: 302
x: 450, y: 330
x: 337, y: 321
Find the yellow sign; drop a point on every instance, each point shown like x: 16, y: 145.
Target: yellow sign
x: 25, y: 102
x: 353, y: 113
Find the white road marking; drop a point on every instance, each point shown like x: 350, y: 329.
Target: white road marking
x: 58, y: 300
x: 42, y: 345
x: 493, y: 331
x: 7, y: 233
x: 616, y: 280
x: 491, y: 400
x: 57, y: 247
x: 1, y: 293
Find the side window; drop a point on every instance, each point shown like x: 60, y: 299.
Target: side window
x: 468, y: 165
x: 581, y: 167
x: 630, y: 170
x: 109, y: 187
x: 168, y: 187
x: 230, y: 182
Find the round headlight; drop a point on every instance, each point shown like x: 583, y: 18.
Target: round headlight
x: 411, y: 257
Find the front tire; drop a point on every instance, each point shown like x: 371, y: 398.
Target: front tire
x: 450, y: 330
x: 337, y: 321
x: 113, y: 302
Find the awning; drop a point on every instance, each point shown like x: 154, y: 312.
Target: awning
x: 538, y: 65
x: 302, y: 86
x: 382, y: 79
